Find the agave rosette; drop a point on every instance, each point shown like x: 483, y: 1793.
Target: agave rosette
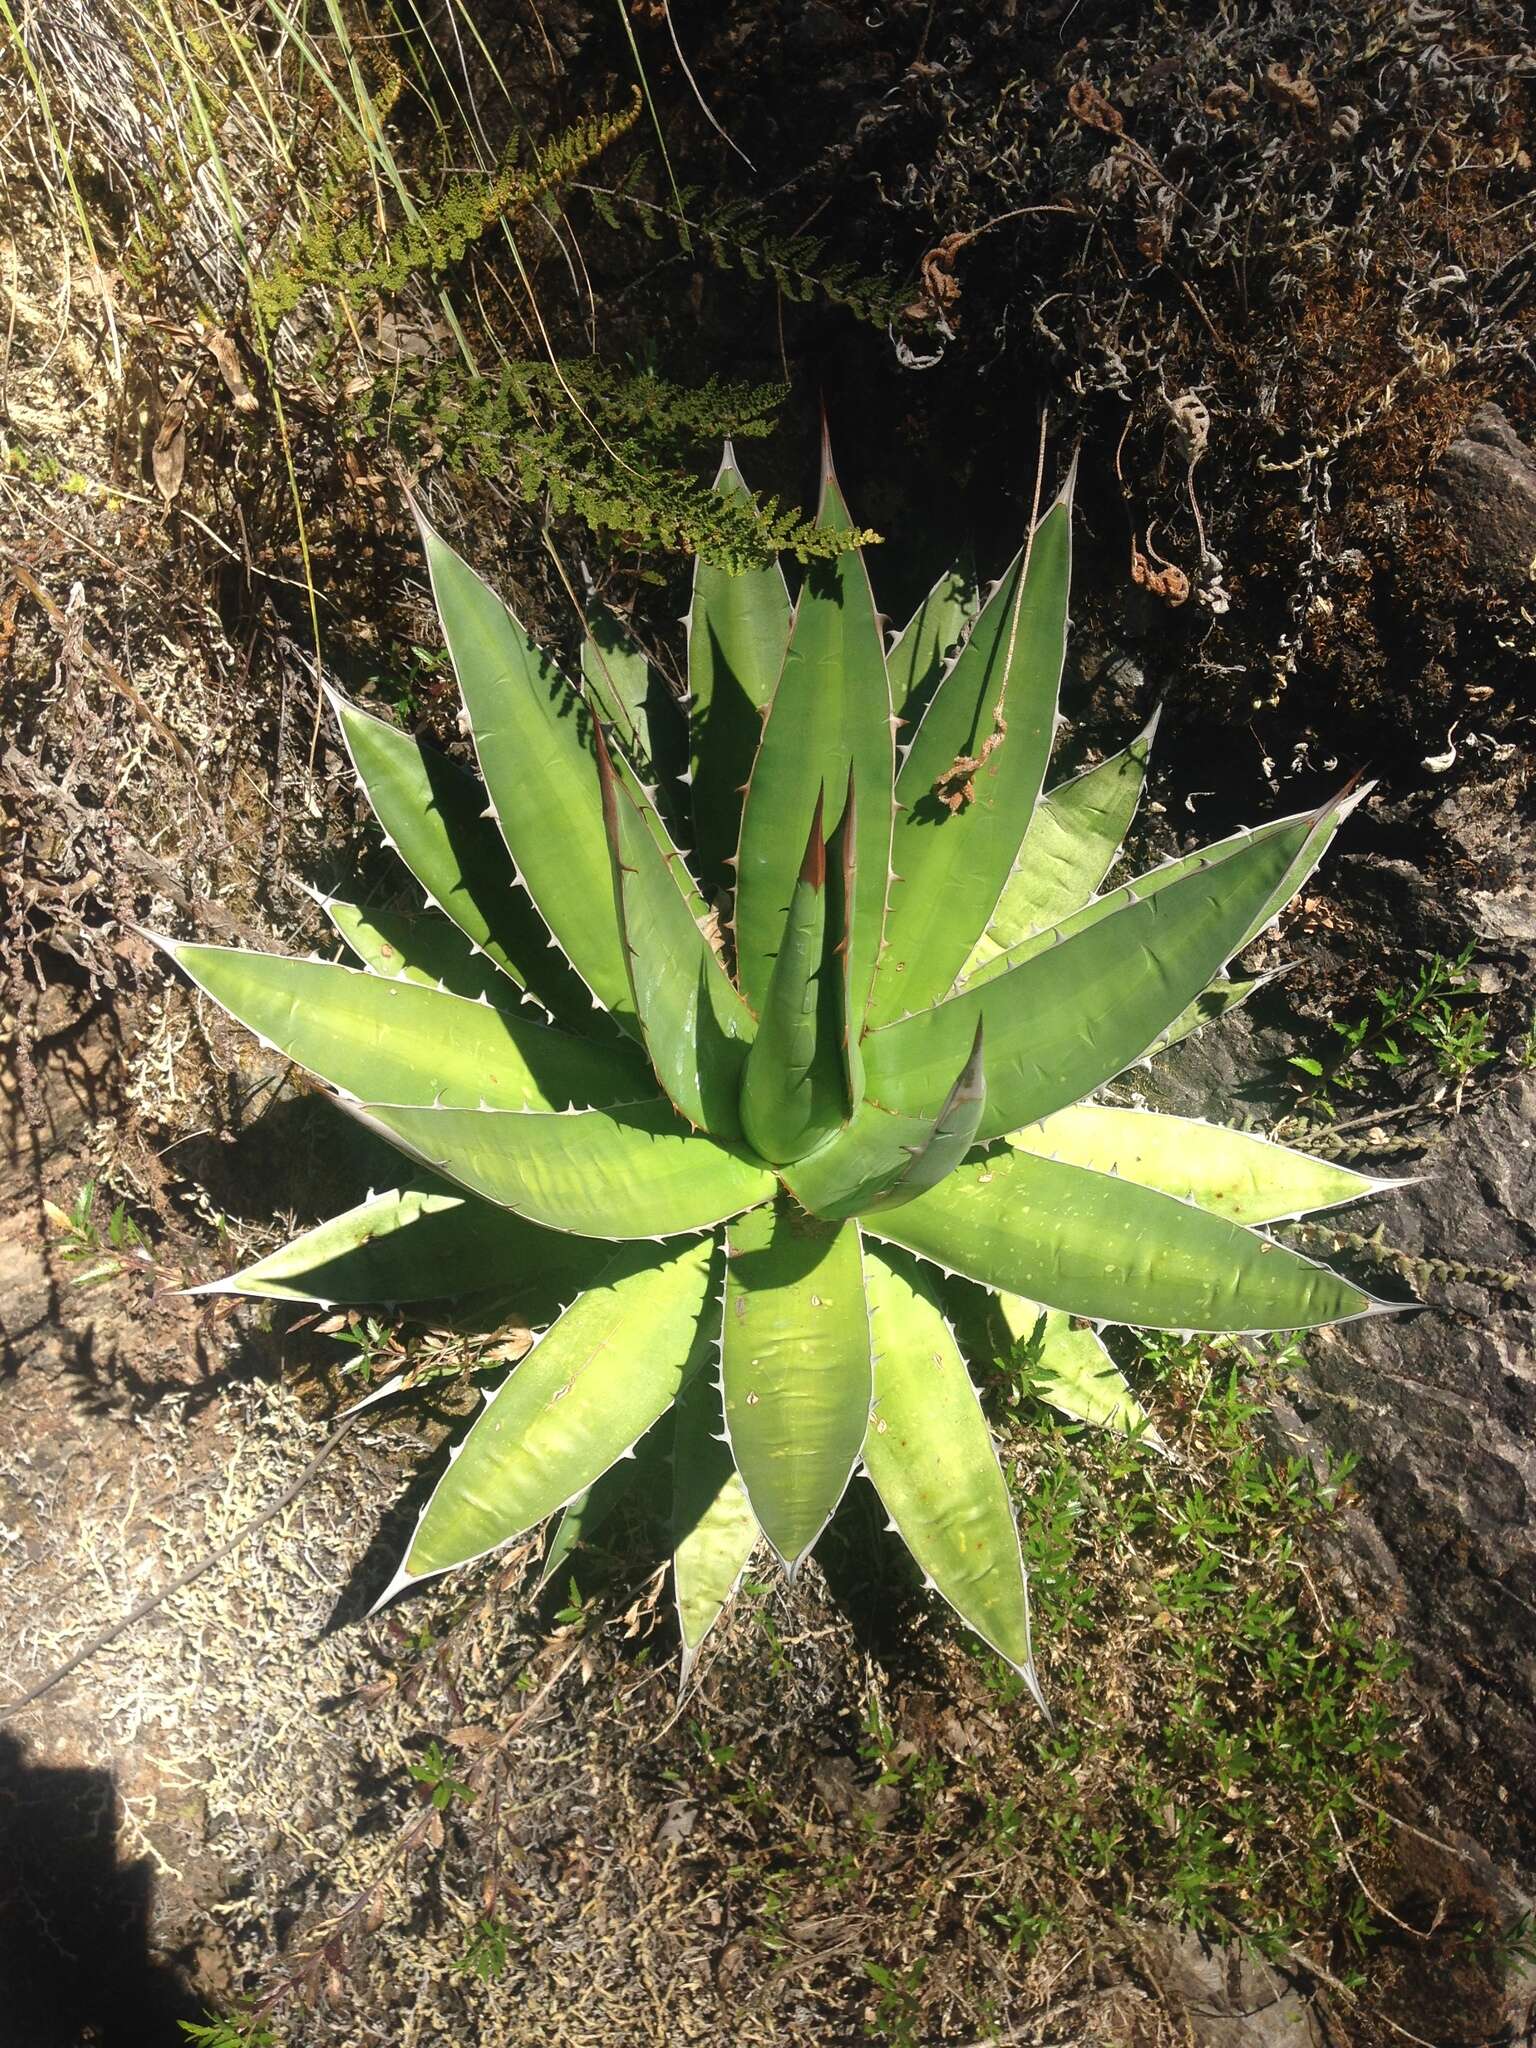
x: 746, y: 1151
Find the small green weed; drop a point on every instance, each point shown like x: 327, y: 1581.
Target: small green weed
x: 486, y: 1954
x: 434, y: 1773
x: 1438, y: 1024
x: 897, y: 2011
x: 234, y: 2032
x: 104, y: 1249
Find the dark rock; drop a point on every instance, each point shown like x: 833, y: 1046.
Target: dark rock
x: 1487, y: 478
x: 1439, y: 1406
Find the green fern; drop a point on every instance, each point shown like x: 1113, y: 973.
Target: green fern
x: 735, y: 233
x: 604, y: 444
x: 343, y: 251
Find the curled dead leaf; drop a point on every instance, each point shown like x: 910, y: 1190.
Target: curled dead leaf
x: 1226, y: 102
x: 473, y: 1737
x: 1163, y: 579
x: 168, y: 456
x: 227, y: 356
x: 956, y: 787
x: 1152, y: 237
x: 939, y: 288
x: 1087, y: 104
x: 1287, y: 89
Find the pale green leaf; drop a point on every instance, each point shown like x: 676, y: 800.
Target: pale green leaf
x: 795, y: 1368
x: 714, y: 1530
x: 627, y: 1172
x: 1232, y: 1173
x: 592, y: 1385
x: 419, y: 1244
x: 1104, y: 1248
x: 395, y: 1041
x: 929, y: 1453
x: 1073, y: 1372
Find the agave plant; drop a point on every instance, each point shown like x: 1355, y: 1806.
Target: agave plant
x: 755, y: 1113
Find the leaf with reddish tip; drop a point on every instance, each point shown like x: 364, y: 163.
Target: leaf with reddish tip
x: 972, y: 775
x: 830, y: 712
x: 803, y: 1073
x: 534, y: 738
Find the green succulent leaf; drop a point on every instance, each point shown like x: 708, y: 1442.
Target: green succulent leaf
x: 534, y: 739
x: 395, y: 1041
x: 627, y: 1172
x: 930, y: 1455
x: 930, y: 639
x: 737, y: 632
x: 421, y: 946
x: 1304, y: 858
x: 419, y: 1243
x: 695, y: 1027
x: 714, y: 1531
x: 795, y: 1369
x: 829, y: 714
x: 882, y: 1157
x: 432, y: 814
x: 1073, y: 1372
x: 617, y: 678
x: 592, y: 1385
x: 953, y: 1133
x: 1074, y: 1014
x: 796, y: 1088
x: 1209, y: 1007
x: 634, y: 1477
x: 1232, y: 1173
x: 1070, y: 846
x: 971, y: 777
x: 1101, y: 1247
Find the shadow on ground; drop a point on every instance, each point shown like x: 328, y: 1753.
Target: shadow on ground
x: 75, y: 1963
